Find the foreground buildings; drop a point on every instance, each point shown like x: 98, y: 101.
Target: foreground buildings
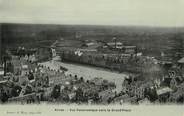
x: 24, y: 80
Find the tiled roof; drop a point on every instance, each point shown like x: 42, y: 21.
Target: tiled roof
x: 181, y: 60
x: 3, y: 81
x: 164, y: 90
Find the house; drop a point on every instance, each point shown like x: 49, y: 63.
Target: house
x: 174, y: 79
x: 166, y: 81
x: 138, y: 88
x: 175, y: 82
x: 139, y: 91
x: 43, y: 53
x: 23, y: 80
x: 47, y: 93
x: 84, y: 50
x: 4, y: 91
x: 2, y: 82
x: 32, y: 58
x: 25, y: 70
x: 181, y: 60
x: 126, y: 86
x: 116, y: 45
x: 97, y: 81
x: 90, y: 91
x: 91, y: 45
x: 164, y: 93
x: 181, y: 63
x: 133, y: 87
x: 1, y: 70
x: 28, y: 98
x: 181, y: 87
x: 106, y: 95
x: 139, y: 54
x: 130, y: 100
x: 129, y: 49
x: 16, y: 65
x: 177, y: 97
x: 53, y: 52
x: 144, y: 101
x: 120, y: 99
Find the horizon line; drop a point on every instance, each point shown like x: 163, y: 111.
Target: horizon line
x: 71, y: 24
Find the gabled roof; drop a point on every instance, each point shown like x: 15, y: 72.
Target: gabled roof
x: 164, y: 90
x: 3, y: 81
x: 127, y: 47
x: 144, y: 101
x: 114, y: 43
x: 181, y: 60
x: 125, y: 96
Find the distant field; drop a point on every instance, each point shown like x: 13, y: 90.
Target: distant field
x: 150, y: 41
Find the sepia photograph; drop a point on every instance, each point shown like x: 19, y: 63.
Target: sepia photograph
x: 92, y: 53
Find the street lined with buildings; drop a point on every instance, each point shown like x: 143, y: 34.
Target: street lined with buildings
x: 91, y: 73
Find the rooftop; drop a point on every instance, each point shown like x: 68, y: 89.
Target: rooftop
x: 164, y: 90
x: 114, y: 43
x: 127, y: 47
x: 181, y: 60
x: 1, y: 72
x: 3, y: 81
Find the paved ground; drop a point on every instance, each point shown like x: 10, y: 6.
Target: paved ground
x: 89, y: 72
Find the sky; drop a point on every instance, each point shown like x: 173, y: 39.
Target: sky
x: 164, y: 13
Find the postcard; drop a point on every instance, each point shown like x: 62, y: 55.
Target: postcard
x: 92, y: 57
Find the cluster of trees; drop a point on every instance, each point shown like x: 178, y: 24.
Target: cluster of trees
x: 177, y: 46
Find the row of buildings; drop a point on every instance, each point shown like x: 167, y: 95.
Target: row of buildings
x: 29, y: 82
x: 166, y: 89
x: 112, y: 55
x: 23, y: 80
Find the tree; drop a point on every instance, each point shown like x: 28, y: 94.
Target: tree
x: 79, y: 94
x: 4, y: 97
x: 30, y: 76
x: 180, y: 99
x: 28, y: 90
x: 96, y: 97
x: 81, y: 79
x: 16, y: 91
x: 177, y: 46
x: 56, y: 92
